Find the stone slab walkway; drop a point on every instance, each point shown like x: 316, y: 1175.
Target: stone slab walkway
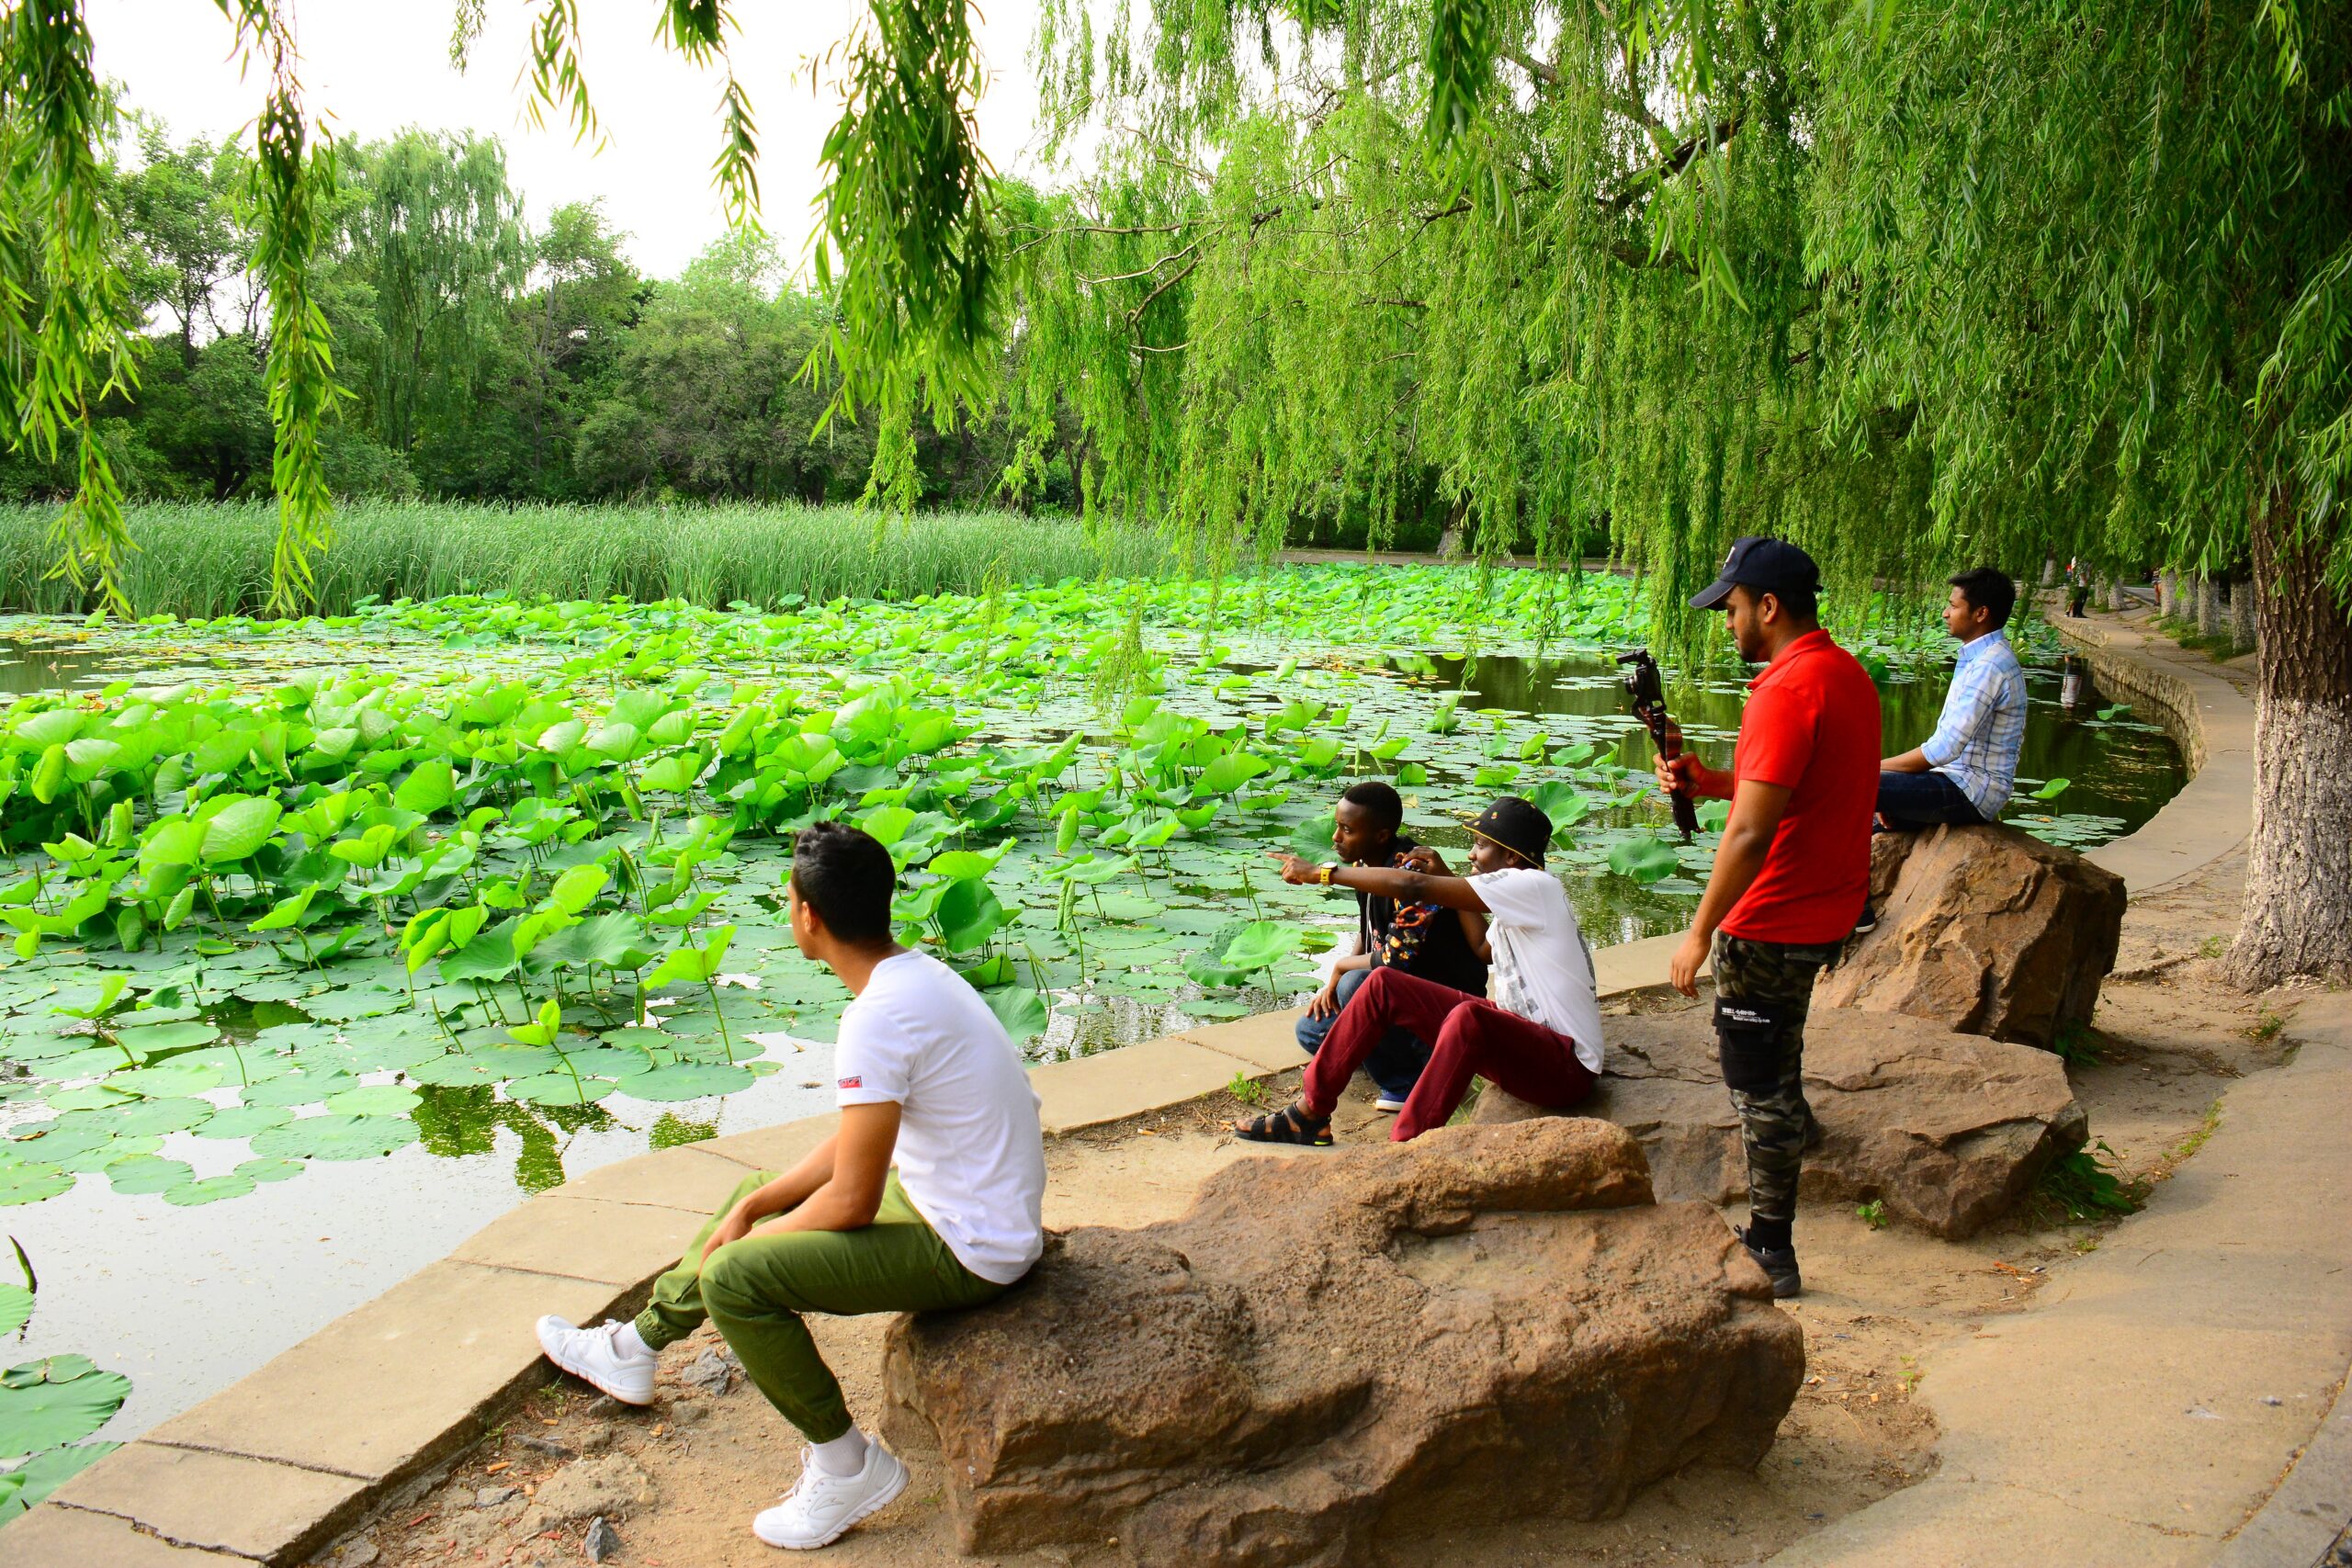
x: 2149, y: 1402
x: 2207, y: 717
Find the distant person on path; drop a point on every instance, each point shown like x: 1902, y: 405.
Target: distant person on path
x: 927, y: 1198
x: 1792, y: 870
x: 1963, y: 773
x: 1422, y: 940
x: 1540, y: 1038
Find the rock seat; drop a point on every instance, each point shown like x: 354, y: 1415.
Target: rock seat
x: 1488, y: 1322
x: 1983, y: 930
x: 1948, y: 1131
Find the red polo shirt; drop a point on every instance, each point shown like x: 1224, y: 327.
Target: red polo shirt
x: 1811, y: 724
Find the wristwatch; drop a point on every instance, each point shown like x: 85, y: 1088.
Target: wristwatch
x: 1330, y: 870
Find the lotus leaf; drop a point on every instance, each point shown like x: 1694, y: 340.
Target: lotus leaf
x: 270, y: 1170
x: 30, y: 1183
x: 686, y: 1080
x: 609, y: 1061
x: 211, y: 1190
x: 45, y: 1404
x: 175, y: 1078
x: 560, y: 1088
x: 970, y: 915
x: 300, y: 1089
x: 147, y: 1173
x: 1644, y: 859
x: 430, y: 787
x: 1020, y: 1011
x: 238, y: 830
x: 243, y: 1121
x: 373, y: 1099
x: 15, y: 1308
x: 1258, y: 944
x: 336, y: 1137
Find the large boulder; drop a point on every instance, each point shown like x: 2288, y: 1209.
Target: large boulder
x: 1983, y: 930
x: 1948, y: 1130
x: 1489, y: 1322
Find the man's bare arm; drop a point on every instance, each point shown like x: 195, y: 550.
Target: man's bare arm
x: 1404, y: 886
x: 861, y: 1167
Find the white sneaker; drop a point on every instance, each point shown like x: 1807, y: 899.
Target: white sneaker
x: 1388, y: 1103
x: 591, y: 1354
x: 816, y: 1512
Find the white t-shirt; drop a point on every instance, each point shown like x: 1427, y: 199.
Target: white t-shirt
x: 971, y: 1155
x: 1541, y: 969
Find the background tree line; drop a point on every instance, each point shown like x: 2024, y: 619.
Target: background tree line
x: 484, y: 357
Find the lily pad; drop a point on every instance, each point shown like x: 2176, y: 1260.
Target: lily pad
x: 300, y: 1089
x: 172, y: 1079
x: 44, y: 1404
x: 45, y: 1472
x: 245, y: 1120
x: 270, y: 1170
x: 211, y: 1190
x: 373, y: 1099
x: 687, y: 1081
x: 560, y: 1088
x: 161, y: 1116
x: 148, y: 1173
x: 336, y: 1137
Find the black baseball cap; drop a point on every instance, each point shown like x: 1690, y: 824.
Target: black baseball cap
x: 1517, y: 825
x: 1767, y: 565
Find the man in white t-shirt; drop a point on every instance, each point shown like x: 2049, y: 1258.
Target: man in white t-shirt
x: 924, y: 1073
x: 1539, y: 1038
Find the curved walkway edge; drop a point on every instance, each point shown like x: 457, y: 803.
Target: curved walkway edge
x: 2124, y: 1394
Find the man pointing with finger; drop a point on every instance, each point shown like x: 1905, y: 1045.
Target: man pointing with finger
x: 1792, y: 870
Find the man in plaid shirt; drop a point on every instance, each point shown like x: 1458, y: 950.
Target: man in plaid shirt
x: 1963, y: 773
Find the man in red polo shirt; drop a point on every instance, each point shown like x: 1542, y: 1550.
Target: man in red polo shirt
x: 1791, y: 872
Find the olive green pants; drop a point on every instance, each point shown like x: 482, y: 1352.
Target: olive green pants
x: 757, y: 1289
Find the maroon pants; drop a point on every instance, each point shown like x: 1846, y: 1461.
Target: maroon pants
x: 1467, y: 1034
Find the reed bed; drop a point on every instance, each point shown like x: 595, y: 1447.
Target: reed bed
x: 206, y: 560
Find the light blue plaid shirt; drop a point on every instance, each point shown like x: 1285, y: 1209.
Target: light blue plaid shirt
x: 1983, y: 726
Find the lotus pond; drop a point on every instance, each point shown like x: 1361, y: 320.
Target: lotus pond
x: 335, y: 937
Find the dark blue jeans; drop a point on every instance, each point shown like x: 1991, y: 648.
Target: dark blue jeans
x: 1912, y: 801
x: 1394, y: 1064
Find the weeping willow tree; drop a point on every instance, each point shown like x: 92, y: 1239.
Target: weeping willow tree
x: 1544, y: 260
x: 1918, y: 284
x: 907, y: 255
x: 2102, y: 255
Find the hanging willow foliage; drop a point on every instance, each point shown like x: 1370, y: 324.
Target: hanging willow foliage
x: 65, y: 336
x: 1542, y: 259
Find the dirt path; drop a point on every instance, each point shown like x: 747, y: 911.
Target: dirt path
x: 681, y: 1478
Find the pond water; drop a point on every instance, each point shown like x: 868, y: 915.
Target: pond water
x: 360, y: 1134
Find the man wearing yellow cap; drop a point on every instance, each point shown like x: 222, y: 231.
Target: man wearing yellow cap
x: 1539, y: 1038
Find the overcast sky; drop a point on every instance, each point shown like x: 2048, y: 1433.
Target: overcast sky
x: 375, y: 66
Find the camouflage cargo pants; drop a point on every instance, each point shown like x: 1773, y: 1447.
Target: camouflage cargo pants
x: 1763, y: 990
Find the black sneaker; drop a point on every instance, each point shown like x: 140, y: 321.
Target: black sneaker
x: 1866, y: 923
x: 1778, y: 1263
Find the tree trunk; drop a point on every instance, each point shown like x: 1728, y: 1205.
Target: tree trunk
x: 2209, y: 607
x: 2242, y: 616
x: 2298, y: 916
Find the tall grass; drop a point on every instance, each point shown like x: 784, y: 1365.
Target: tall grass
x: 204, y: 560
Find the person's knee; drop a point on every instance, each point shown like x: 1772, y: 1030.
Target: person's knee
x: 731, y: 1284
x: 1458, y: 1032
